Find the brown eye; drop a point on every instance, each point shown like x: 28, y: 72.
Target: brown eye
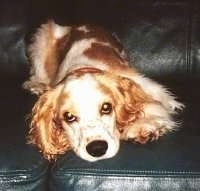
x: 106, y: 108
x: 69, y: 117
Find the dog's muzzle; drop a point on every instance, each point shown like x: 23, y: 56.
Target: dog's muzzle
x: 97, y: 148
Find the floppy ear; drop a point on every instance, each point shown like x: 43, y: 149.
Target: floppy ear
x: 129, y: 103
x: 46, y: 130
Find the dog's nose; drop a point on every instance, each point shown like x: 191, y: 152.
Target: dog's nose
x: 97, y: 148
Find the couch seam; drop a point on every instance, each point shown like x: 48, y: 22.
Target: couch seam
x: 117, y: 176
x: 189, y: 32
x: 130, y: 172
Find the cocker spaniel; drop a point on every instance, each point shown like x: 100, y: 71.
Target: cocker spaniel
x: 89, y: 98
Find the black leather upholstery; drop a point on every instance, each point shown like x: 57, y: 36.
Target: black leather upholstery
x: 21, y: 167
x: 162, y: 38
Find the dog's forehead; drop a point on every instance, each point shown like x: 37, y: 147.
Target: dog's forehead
x: 77, y: 84
x: 84, y: 89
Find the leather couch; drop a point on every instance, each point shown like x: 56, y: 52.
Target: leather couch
x: 162, y: 38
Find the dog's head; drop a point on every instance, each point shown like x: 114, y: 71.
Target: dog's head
x: 86, y: 113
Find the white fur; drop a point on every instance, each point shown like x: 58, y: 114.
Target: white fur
x: 158, y: 93
x: 60, y: 31
x: 87, y: 99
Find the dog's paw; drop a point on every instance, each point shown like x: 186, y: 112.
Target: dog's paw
x: 144, y: 135
x: 147, y: 135
x: 144, y: 132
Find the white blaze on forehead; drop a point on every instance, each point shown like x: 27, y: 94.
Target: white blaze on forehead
x: 85, y: 96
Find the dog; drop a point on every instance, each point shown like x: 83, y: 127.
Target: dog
x: 89, y: 98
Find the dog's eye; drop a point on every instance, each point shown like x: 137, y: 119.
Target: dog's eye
x: 106, y: 108
x: 69, y: 117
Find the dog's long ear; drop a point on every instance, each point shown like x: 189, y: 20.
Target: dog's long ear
x: 46, y: 130
x: 47, y: 50
x: 129, y: 103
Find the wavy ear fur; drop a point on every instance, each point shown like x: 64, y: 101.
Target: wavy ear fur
x: 46, y: 131
x: 130, y: 107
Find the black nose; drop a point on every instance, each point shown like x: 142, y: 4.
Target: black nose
x: 97, y: 148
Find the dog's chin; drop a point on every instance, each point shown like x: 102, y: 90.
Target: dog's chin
x: 110, y: 153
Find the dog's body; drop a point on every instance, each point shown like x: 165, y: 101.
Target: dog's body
x: 89, y: 97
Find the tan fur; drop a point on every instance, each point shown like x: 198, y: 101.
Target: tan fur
x: 46, y: 131
x: 143, y: 108
x: 105, y: 54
